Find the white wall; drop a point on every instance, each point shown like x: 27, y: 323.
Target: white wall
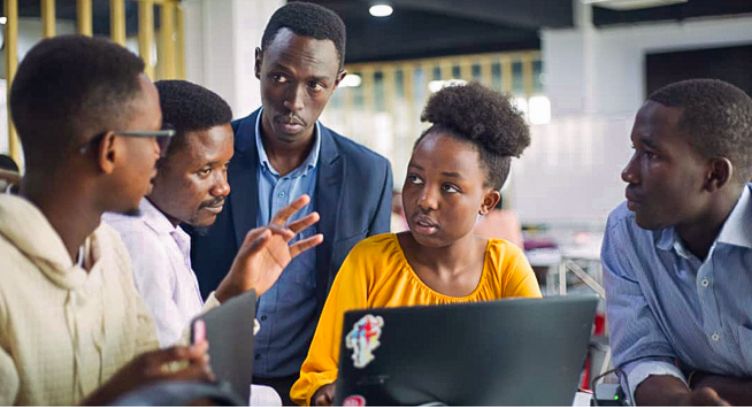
x: 571, y: 171
x: 617, y: 81
x: 595, y: 80
x: 221, y: 36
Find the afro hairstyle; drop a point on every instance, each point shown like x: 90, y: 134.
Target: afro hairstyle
x: 483, y: 117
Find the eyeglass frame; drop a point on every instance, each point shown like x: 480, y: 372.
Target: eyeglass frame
x: 164, y: 134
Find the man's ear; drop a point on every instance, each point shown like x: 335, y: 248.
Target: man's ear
x: 720, y: 173
x: 108, y: 153
x: 257, y: 63
x: 490, y: 199
x: 340, y: 76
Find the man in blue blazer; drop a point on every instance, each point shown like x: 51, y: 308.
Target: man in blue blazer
x: 281, y: 152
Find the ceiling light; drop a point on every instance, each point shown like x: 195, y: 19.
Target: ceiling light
x: 435, y: 86
x: 3, y: 20
x: 623, y: 5
x: 380, y: 10
x: 539, y: 110
x: 351, y: 81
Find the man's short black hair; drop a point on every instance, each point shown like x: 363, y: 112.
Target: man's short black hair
x: 485, y: 118
x: 190, y: 107
x: 308, y: 20
x: 717, y: 117
x: 67, y: 90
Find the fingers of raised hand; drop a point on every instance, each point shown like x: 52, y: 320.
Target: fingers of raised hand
x: 285, y: 233
x: 304, y: 222
x: 284, y: 214
x: 306, y: 244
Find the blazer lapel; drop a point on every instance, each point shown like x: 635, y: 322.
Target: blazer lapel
x: 243, y: 180
x: 331, y: 172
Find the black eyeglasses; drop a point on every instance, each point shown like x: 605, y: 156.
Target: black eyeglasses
x: 163, y: 138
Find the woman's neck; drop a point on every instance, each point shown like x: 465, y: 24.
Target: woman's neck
x: 455, y: 258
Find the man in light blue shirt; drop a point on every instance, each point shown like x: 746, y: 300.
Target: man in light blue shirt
x: 286, y: 309
x: 677, y: 255
x: 281, y: 152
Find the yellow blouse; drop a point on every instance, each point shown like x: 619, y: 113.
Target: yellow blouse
x: 377, y: 274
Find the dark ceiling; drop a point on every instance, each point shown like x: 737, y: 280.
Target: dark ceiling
x: 603, y: 17
x: 422, y: 28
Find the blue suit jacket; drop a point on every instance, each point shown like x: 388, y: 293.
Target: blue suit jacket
x: 353, y: 196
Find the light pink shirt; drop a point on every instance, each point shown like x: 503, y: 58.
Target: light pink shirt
x: 160, y: 253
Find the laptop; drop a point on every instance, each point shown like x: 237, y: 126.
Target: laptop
x: 229, y: 330
x: 506, y: 352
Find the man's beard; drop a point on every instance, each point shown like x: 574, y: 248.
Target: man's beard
x: 200, y: 230
x: 135, y: 212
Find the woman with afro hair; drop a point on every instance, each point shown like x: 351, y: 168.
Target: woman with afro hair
x: 457, y: 168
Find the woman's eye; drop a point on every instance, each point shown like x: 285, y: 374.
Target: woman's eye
x: 450, y: 188
x: 413, y: 179
x: 204, y: 172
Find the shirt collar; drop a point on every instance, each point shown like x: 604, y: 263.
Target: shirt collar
x: 155, y: 219
x: 666, y: 239
x: 306, y: 166
x: 736, y: 229
x: 733, y: 231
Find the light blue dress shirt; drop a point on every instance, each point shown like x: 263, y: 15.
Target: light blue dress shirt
x: 664, y: 305
x: 286, y: 311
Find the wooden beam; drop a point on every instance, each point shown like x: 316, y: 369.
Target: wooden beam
x: 48, y: 18
x: 146, y: 34
x: 11, y: 63
x: 180, y: 42
x: 166, y: 52
x: 117, y: 21
x: 84, y: 17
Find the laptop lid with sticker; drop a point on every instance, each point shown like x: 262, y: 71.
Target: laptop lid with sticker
x: 506, y: 352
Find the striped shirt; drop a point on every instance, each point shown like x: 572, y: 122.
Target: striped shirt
x: 670, y: 312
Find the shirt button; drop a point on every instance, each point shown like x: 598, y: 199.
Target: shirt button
x: 258, y: 356
x: 281, y: 194
x: 715, y: 336
x: 263, y: 317
x: 705, y: 282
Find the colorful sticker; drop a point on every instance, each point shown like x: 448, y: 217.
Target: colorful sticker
x: 355, y: 400
x: 364, y: 338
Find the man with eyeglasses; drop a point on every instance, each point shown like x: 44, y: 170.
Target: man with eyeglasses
x: 89, y: 120
x: 74, y: 328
